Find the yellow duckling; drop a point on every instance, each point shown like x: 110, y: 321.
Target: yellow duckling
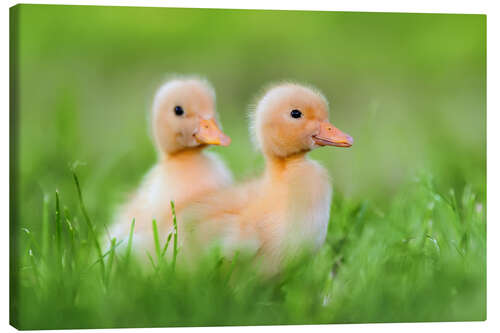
x: 183, y: 123
x: 287, y: 209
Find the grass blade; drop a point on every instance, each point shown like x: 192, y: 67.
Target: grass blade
x: 111, y: 258
x: 233, y: 264
x: 90, y: 225
x: 45, y: 228
x: 129, y: 244
x: 156, y: 239
x: 32, y: 241
x: 169, y: 238
x: 74, y: 224
x: 151, y: 260
x: 101, y: 259
x: 34, y: 264
x: 73, y: 236
x: 58, y: 228
x: 174, y: 216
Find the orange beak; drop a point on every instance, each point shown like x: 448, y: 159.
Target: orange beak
x: 209, y: 133
x: 329, y: 135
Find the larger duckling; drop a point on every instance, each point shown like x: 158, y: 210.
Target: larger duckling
x: 183, y: 124
x: 287, y: 209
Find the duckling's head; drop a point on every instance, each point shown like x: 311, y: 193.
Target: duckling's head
x: 184, y: 116
x: 291, y: 118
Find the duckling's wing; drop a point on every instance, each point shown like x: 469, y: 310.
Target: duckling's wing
x: 218, y: 219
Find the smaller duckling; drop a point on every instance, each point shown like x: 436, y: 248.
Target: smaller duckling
x: 287, y: 210
x: 184, y: 123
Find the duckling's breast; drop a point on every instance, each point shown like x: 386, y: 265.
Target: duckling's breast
x: 190, y: 178
x: 308, y: 205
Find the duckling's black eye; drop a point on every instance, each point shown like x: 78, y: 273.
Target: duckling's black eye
x: 296, y: 114
x: 179, y: 111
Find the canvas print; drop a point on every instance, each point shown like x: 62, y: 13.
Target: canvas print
x: 214, y: 167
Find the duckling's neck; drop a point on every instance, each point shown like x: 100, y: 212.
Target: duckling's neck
x: 183, y: 155
x: 276, y: 166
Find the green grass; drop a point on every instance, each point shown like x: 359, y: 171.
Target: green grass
x: 421, y: 259
x: 407, y: 236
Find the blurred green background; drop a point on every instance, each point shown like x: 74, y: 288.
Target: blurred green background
x: 409, y: 88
